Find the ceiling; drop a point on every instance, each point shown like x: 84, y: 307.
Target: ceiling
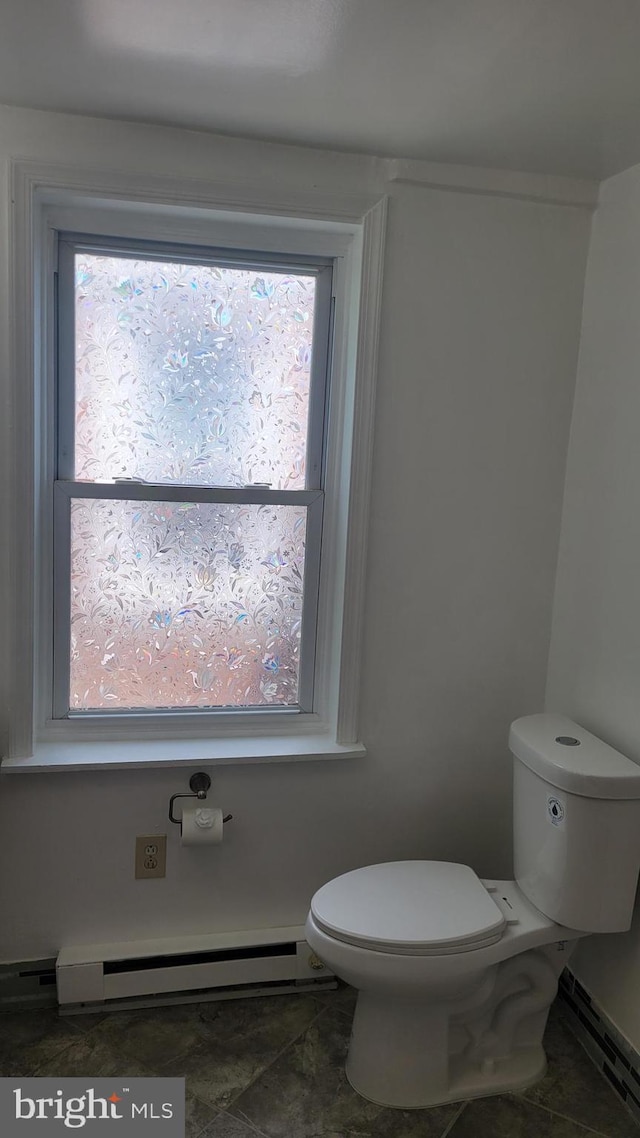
x: 551, y: 86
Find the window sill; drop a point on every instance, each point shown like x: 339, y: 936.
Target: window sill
x: 82, y: 756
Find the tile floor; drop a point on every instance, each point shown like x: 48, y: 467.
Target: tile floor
x: 274, y: 1066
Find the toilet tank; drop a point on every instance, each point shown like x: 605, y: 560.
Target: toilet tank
x: 576, y: 824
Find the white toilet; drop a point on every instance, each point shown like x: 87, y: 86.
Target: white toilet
x: 455, y: 975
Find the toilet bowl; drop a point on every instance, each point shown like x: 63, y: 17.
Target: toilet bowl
x: 440, y: 1020
x: 455, y: 975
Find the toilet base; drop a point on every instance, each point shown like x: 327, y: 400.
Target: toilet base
x: 512, y: 1075
x: 412, y: 1054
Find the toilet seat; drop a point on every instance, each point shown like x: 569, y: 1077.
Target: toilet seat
x: 410, y: 908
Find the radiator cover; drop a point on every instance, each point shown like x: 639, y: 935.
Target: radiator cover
x: 101, y: 973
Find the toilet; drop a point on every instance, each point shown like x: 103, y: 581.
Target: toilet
x: 455, y: 975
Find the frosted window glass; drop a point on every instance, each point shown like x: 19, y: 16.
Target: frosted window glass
x: 191, y: 374
x: 185, y: 605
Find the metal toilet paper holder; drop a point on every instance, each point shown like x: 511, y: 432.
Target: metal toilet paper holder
x: 200, y: 783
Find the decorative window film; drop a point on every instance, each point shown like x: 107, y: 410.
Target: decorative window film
x: 191, y: 374
x: 185, y: 604
x: 202, y: 384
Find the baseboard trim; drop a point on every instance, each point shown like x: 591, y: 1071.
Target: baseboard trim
x: 28, y: 984
x: 612, y: 1054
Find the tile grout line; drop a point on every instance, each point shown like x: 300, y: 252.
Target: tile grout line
x: 65, y: 1047
x: 154, y: 1070
x: 249, y: 1125
x: 184, y: 1051
x: 281, y: 1052
x: 151, y: 1072
x: 89, y: 1030
x: 157, y: 1069
x: 452, y: 1122
x: 245, y: 1120
x: 202, y: 1103
x: 176, y: 1059
x: 342, y: 1012
x: 565, y: 1117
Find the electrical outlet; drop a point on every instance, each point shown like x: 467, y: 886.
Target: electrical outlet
x: 151, y: 855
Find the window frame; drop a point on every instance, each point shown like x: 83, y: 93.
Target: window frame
x: 66, y: 487
x: 348, y: 226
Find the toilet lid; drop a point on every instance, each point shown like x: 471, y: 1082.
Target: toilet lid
x: 409, y: 907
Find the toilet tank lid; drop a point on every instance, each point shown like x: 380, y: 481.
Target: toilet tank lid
x: 571, y: 758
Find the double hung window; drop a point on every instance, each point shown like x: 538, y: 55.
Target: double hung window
x: 192, y: 396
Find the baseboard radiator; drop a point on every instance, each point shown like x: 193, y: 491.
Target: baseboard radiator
x: 215, y: 966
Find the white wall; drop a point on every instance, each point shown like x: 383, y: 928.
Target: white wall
x: 480, y: 327
x: 594, y: 667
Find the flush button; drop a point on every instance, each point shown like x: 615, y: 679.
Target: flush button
x: 567, y: 741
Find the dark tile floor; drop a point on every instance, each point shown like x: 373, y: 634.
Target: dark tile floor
x: 274, y: 1066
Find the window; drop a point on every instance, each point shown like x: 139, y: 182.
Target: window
x: 158, y: 499
x: 192, y: 391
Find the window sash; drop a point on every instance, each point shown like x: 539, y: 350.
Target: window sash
x: 66, y: 487
x: 65, y: 491
x: 319, y: 267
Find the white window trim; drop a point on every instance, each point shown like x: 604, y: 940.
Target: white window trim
x: 348, y: 227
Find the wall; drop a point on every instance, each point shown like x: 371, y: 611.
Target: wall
x: 479, y: 335
x: 594, y: 667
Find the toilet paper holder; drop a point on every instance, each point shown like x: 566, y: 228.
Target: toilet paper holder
x: 200, y: 783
